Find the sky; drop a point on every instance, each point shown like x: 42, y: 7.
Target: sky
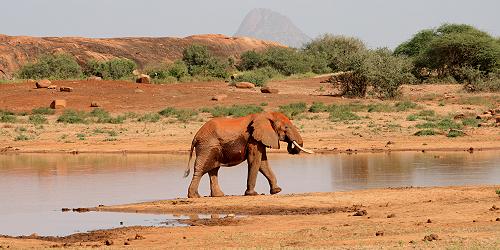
x: 380, y: 23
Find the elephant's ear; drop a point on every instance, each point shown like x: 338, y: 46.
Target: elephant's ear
x: 263, y: 131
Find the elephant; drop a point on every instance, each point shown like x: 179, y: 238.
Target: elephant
x: 226, y: 142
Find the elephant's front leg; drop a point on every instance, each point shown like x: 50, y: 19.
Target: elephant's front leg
x: 268, y: 173
x: 254, y: 160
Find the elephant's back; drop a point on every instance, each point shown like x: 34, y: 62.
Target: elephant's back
x: 223, y: 128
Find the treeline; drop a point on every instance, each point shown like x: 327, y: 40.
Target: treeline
x: 450, y: 53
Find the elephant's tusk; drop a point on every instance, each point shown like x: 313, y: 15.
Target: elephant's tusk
x: 303, y: 149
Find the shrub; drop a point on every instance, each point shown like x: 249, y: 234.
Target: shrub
x: 498, y: 192
x: 72, y: 116
x: 37, y: 119
x: 21, y: 137
x: 286, y: 61
x: 234, y: 110
x: 7, y: 116
x: 59, y: 66
x: 471, y: 122
x: 257, y: 77
x: 455, y: 133
x: 334, y: 53
x: 149, y: 117
x: 292, y: 110
x: 168, y: 73
x: 251, y: 60
x: 115, y: 69
x: 199, y: 61
x: 380, y: 107
x: 43, y: 111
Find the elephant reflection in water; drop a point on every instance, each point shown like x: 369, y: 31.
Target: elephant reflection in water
x: 230, y: 141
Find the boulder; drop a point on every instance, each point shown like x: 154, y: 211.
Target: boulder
x: 269, y: 90
x: 138, y: 91
x: 52, y: 87
x: 484, y: 116
x: 94, y: 78
x: 143, y: 79
x: 66, y: 89
x: 58, y: 104
x: 497, y: 119
x: 459, y: 116
x: 219, y: 97
x: 244, y: 85
x: 94, y: 104
x: 136, y: 72
x: 43, y: 84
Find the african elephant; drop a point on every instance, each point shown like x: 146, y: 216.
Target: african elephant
x: 228, y: 142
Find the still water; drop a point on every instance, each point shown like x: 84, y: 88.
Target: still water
x: 34, y: 187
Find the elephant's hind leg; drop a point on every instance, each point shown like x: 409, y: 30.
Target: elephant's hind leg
x: 205, y: 162
x: 215, y: 190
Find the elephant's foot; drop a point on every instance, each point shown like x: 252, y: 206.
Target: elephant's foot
x: 251, y: 192
x: 194, y: 195
x: 275, y: 190
x: 217, y: 194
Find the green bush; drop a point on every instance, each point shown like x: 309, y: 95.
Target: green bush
x: 234, y: 110
x: 286, y: 61
x: 21, y: 137
x: 168, y: 73
x: 405, y: 105
x: 118, y: 68
x: 341, y: 113
x: 200, y: 62
x: 471, y: 122
x: 425, y: 132
x: 455, y: 133
x: 259, y: 77
x: 292, y: 110
x: 251, y: 60
x: 58, y: 66
x: 72, y: 116
x: 43, y: 111
x: 334, y: 53
x: 103, y: 116
x: 318, y: 107
x: 37, y: 119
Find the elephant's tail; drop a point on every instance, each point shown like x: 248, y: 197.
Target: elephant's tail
x: 188, y: 169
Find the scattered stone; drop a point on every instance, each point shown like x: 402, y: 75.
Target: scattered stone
x: 244, y: 85
x: 139, y: 91
x: 139, y: 237
x: 431, y: 237
x: 65, y: 209
x: 483, y: 124
x: 484, y: 116
x: 142, y: 78
x: 58, y: 104
x: 360, y: 213
x: 66, y: 89
x: 459, y: 116
x: 429, y: 221
x: 268, y: 90
x: 100, y: 205
x: 219, y: 97
x: 121, y: 223
x: 379, y: 233
x: 474, y: 220
x: 31, y: 81
x: 412, y: 242
x: 108, y: 242
x: 494, y: 208
x: 230, y: 216
x: 94, y: 104
x: 470, y: 150
x: 498, y: 219
x: 94, y: 78
x: 391, y: 215
x: 126, y: 243
x: 43, y: 84
x: 497, y: 119
x: 52, y: 87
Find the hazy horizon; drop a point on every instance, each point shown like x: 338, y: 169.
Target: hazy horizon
x: 377, y: 22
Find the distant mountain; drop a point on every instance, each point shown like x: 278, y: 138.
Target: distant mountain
x: 269, y: 25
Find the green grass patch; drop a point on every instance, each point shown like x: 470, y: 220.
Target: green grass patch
x: 80, y: 136
x: 105, y: 131
x: 444, y: 124
x: 486, y: 101
x: 405, y: 105
x: 498, y: 192
x: 380, y: 107
x: 455, y: 133
x: 183, y: 115
x: 37, y: 119
x: 235, y: 110
x: 341, y: 113
x: 102, y: 116
x: 471, y: 122
x: 7, y: 118
x: 72, y: 117
x: 427, y: 115
x: 43, y: 111
x: 318, y: 107
x: 149, y: 117
x: 425, y: 132
x: 21, y: 137
x: 292, y: 110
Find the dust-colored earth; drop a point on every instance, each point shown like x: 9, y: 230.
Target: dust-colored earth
x: 402, y: 218
x: 437, y: 217
x: 375, y: 131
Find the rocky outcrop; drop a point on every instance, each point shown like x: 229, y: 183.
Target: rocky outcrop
x: 16, y: 51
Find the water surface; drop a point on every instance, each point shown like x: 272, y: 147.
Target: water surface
x: 36, y: 186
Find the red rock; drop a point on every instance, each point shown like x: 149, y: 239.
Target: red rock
x: 244, y: 85
x: 43, y: 84
x: 269, y: 90
x: 58, y: 104
x: 66, y: 89
x: 143, y: 79
x: 219, y: 97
